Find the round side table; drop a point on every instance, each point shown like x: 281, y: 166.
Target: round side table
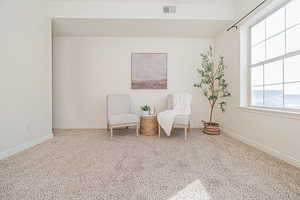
x: 149, y: 125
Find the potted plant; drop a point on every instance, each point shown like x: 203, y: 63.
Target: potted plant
x: 145, y: 109
x: 214, y: 88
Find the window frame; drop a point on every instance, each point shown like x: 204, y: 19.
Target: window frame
x: 266, y: 61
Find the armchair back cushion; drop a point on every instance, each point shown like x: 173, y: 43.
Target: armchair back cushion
x: 170, y: 102
x: 179, y: 119
x: 118, y: 104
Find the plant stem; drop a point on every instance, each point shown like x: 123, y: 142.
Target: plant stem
x: 211, y: 112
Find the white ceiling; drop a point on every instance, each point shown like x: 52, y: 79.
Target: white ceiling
x: 154, y: 1
x: 138, y: 27
x: 148, y: 1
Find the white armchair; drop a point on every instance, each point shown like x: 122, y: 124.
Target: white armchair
x: 181, y: 121
x: 119, y: 113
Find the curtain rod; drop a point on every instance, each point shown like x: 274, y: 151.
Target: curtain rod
x: 235, y: 25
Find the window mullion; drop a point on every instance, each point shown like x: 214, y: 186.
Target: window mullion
x: 264, y: 61
x: 283, y: 62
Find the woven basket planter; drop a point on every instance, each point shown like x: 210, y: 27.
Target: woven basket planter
x: 211, y: 128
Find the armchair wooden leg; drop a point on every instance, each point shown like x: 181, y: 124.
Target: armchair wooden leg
x: 158, y: 131
x: 137, y: 129
x: 111, y: 132
x: 185, y: 133
x: 189, y: 128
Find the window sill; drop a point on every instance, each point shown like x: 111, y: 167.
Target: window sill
x: 271, y: 112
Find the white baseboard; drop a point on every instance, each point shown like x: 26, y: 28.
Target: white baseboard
x: 268, y: 150
x: 24, y: 146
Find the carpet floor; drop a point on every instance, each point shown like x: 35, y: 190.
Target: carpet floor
x: 88, y: 165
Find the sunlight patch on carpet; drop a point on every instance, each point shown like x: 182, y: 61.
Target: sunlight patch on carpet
x: 194, y: 190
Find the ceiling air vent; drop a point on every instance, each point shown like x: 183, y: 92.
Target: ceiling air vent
x: 169, y: 9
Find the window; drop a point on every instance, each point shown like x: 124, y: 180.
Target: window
x: 275, y: 59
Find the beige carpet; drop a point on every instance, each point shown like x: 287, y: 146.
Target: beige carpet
x: 91, y: 166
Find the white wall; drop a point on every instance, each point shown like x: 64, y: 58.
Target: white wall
x: 86, y: 69
x: 275, y: 133
x: 25, y: 75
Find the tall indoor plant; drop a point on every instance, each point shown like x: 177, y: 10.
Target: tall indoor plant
x: 214, y: 87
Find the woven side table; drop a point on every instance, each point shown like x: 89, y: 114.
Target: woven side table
x: 149, y: 125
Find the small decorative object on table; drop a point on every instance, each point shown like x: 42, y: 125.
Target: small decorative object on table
x: 145, y: 109
x: 152, y: 110
x: 214, y: 87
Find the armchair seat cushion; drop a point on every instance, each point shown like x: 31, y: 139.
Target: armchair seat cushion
x: 182, y: 119
x: 123, y: 119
